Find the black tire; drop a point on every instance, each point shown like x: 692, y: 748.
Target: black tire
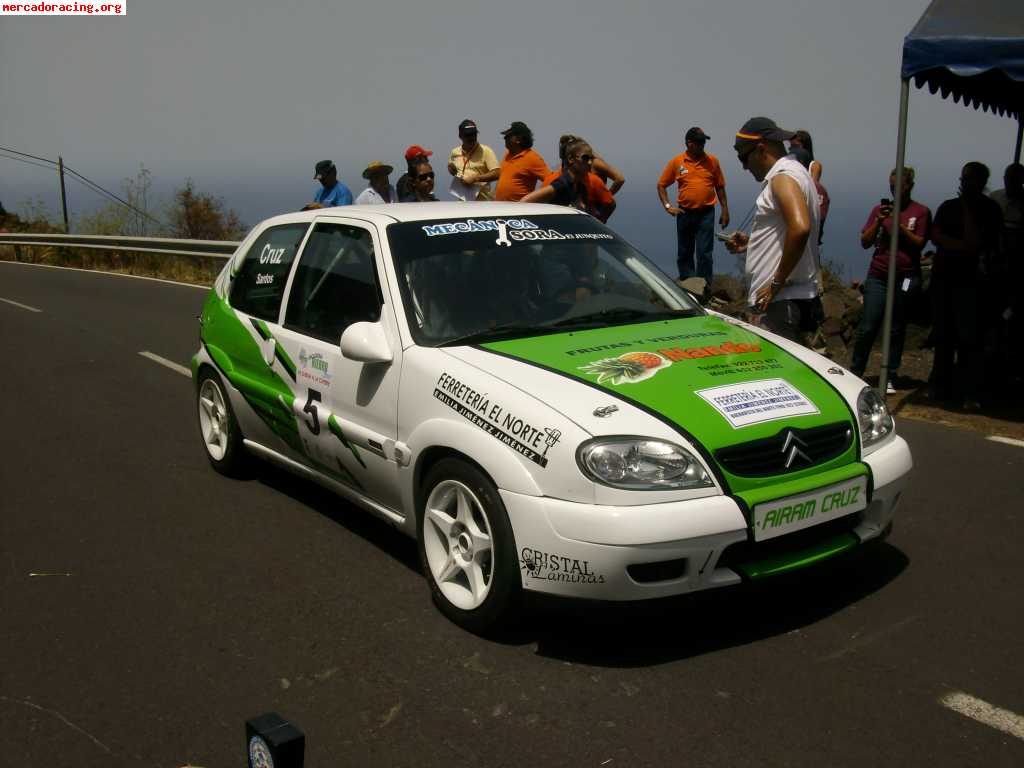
x: 229, y: 456
x: 503, y: 600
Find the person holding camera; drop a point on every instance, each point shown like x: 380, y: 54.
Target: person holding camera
x: 914, y: 226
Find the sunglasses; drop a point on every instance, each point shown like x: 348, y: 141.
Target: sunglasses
x: 586, y: 158
x: 745, y: 156
x: 425, y: 176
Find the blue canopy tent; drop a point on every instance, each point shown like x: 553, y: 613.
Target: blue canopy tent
x: 972, y: 50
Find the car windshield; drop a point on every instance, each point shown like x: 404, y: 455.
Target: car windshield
x: 473, y: 279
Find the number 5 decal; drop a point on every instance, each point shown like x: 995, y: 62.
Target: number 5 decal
x: 310, y: 408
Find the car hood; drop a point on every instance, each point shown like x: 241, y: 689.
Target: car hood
x: 716, y: 382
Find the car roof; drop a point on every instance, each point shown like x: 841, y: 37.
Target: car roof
x: 389, y: 213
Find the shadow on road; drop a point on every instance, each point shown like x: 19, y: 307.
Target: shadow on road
x: 347, y: 515
x: 647, y: 633
x: 656, y: 632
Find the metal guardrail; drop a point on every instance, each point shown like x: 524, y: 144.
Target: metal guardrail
x: 217, y: 249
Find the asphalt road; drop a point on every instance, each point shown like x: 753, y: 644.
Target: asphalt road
x: 148, y: 606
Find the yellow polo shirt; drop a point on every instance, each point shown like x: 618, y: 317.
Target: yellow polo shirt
x: 480, y: 160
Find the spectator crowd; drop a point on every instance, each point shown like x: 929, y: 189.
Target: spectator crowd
x: 970, y: 290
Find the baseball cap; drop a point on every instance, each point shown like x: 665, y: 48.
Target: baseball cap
x: 415, y: 150
x: 697, y: 134
x: 376, y: 166
x: 467, y: 126
x: 322, y: 169
x: 760, y: 129
x: 518, y: 128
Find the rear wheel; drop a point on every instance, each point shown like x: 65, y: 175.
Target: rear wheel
x: 218, y: 427
x: 467, y: 548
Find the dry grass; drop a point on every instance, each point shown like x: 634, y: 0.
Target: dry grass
x: 198, y: 270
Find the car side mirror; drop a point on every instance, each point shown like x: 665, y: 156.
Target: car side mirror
x: 366, y: 343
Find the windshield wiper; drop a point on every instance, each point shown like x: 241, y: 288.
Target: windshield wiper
x: 609, y: 316
x: 497, y: 332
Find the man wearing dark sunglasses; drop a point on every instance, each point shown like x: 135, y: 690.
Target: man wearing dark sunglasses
x: 782, y: 248
x: 701, y: 186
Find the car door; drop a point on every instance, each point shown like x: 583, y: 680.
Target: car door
x: 347, y: 410
x: 257, y: 365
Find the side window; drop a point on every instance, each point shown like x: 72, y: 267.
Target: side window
x: 259, y: 285
x: 335, y: 284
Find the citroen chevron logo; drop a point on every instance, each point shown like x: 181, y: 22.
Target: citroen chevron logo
x: 791, y: 449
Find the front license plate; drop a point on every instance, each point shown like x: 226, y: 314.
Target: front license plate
x: 794, y: 513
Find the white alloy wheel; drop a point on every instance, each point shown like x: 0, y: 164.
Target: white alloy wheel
x: 458, y: 545
x: 214, y: 420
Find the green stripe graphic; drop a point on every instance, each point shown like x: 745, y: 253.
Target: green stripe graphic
x: 660, y: 366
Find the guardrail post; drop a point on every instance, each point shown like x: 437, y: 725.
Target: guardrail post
x: 63, y: 194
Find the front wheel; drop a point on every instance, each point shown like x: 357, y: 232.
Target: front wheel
x: 222, y: 438
x: 467, y: 548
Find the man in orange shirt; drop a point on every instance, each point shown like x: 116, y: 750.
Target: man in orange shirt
x: 521, y: 167
x: 701, y: 185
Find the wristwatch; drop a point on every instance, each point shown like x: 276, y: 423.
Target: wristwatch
x: 777, y: 284
x: 667, y: 207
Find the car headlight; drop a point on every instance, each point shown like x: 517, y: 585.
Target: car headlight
x: 639, y: 464
x: 873, y: 416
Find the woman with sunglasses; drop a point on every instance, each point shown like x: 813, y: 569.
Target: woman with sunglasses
x: 570, y: 188
x: 422, y: 185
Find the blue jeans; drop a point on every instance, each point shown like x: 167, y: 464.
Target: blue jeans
x: 871, y: 323
x: 696, y: 228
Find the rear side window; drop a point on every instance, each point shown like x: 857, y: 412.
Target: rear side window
x: 259, y: 285
x: 335, y: 283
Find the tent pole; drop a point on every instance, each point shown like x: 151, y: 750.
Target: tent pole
x: 894, y: 235
x: 1020, y: 134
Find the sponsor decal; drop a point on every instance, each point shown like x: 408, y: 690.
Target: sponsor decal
x: 262, y: 279
x: 631, y: 367
x: 606, y: 411
x: 628, y: 368
x: 774, y: 518
x: 741, y: 367
x: 314, y: 367
x: 486, y: 225
x: 836, y: 371
x: 509, y: 231
x: 696, y: 353
x: 544, y: 566
x: 756, y: 402
x: 642, y: 342
x: 530, y: 440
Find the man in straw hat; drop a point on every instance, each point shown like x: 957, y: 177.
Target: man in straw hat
x: 380, y: 189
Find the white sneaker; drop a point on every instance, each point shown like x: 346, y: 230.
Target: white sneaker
x: 889, y: 388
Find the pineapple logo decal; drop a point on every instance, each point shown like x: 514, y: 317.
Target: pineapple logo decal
x: 628, y: 368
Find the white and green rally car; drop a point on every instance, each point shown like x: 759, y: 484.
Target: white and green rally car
x: 535, y: 402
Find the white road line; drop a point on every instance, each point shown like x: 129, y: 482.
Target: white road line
x: 109, y: 274
x: 20, y: 305
x: 1001, y: 719
x: 167, y: 363
x: 1006, y: 440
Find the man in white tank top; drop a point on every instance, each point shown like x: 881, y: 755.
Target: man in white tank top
x: 782, y: 248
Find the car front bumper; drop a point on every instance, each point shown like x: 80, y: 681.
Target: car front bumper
x: 657, y: 550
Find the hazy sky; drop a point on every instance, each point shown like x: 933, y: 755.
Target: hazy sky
x: 244, y: 97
